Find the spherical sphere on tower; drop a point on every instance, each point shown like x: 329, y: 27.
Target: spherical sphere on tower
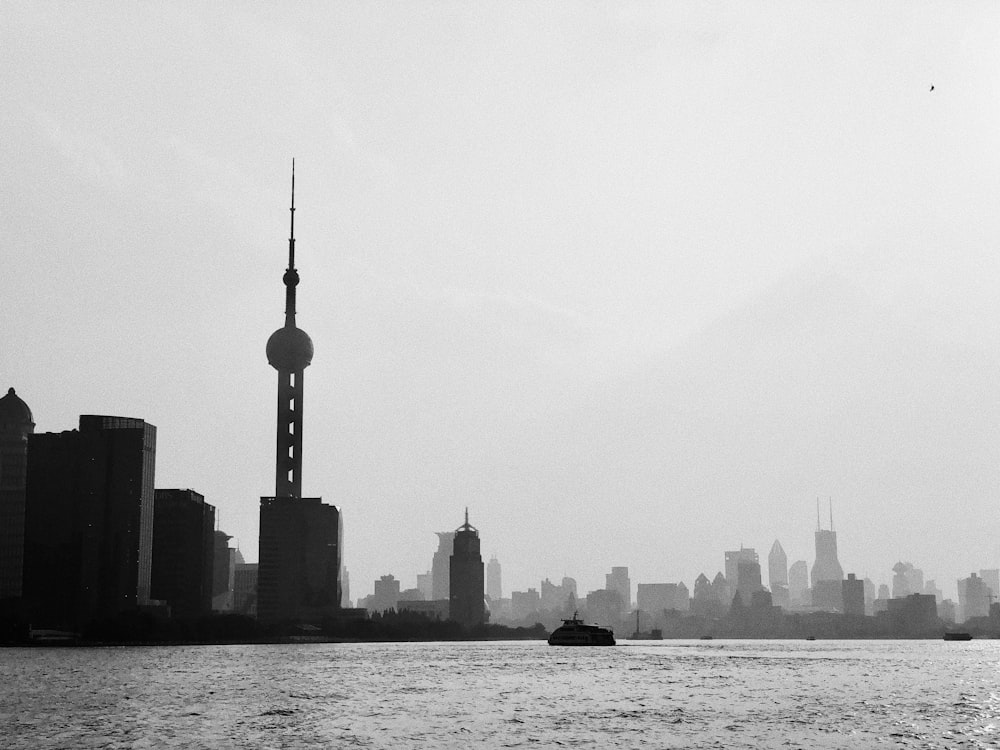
x: 289, y: 349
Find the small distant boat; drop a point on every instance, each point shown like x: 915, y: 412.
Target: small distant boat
x: 573, y: 632
x: 957, y: 636
x: 810, y: 638
x: 705, y: 638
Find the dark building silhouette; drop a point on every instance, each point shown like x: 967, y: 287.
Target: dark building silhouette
x: 466, y: 577
x: 16, y: 425
x: 245, y: 589
x: 223, y: 571
x: 300, y: 538
x: 618, y: 580
x: 89, y: 521
x: 777, y: 575
x: 748, y: 579
x: 183, y: 552
x: 493, y: 588
x: 853, y: 595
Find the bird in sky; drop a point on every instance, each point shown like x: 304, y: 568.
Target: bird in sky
x: 932, y: 87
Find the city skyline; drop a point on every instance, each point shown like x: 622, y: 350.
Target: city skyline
x: 635, y: 285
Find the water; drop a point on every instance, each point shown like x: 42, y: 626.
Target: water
x: 669, y: 694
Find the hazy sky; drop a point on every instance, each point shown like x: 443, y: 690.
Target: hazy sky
x: 634, y: 282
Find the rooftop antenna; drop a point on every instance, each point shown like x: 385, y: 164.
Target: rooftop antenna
x: 291, y: 237
x: 466, y: 515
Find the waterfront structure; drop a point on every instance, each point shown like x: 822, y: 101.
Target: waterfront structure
x: 465, y: 580
x: 89, y: 506
x: 853, y: 595
x: 16, y: 426
x: 618, y: 580
x: 493, y: 588
x: 300, y: 537
x: 182, y: 552
x: 441, y: 566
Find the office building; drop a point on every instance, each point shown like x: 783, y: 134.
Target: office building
x: 300, y: 537
x: 386, y: 595
x: 245, y: 589
x: 827, y: 566
x: 16, y: 425
x: 441, y: 566
x: 465, y: 585
x: 89, y: 505
x: 798, y: 584
x: 182, y: 552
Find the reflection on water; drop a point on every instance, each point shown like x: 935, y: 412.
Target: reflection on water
x: 665, y: 694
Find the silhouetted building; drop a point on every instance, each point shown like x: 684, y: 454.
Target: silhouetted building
x: 913, y: 615
x: 386, y: 595
x: 245, y: 589
x: 556, y: 596
x: 853, y: 595
x: 182, y: 552
x: 798, y: 584
x: 748, y: 579
x: 466, y: 577
x: 441, y: 565
x: 300, y: 537
x: 991, y: 577
x: 733, y: 559
x: 16, y: 425
x: 493, y: 588
x: 426, y: 585
x: 828, y: 596
x: 299, y: 559
x: 89, y: 520
x: 618, y: 580
x: 345, y: 588
x: 777, y: 575
x: 655, y: 598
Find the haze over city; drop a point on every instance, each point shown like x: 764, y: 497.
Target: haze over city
x: 635, y: 284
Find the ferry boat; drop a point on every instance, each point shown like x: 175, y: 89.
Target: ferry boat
x: 573, y: 632
x: 952, y: 635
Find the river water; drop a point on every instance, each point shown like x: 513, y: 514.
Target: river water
x: 665, y: 694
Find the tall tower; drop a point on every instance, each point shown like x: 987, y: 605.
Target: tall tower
x: 298, y: 576
x: 16, y: 425
x: 290, y: 352
x: 493, y: 588
x: 466, y: 577
x: 777, y: 566
x: 827, y: 566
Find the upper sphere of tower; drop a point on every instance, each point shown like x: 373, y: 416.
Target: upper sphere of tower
x: 289, y: 349
x: 13, y: 411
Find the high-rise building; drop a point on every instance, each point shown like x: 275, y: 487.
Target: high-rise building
x: 183, y: 552
x: 386, y: 595
x: 493, y: 588
x: 300, y: 537
x: 425, y: 583
x: 827, y: 566
x: 973, y: 597
x: 991, y: 577
x: 88, y: 542
x: 223, y: 572
x: 748, y: 579
x: 441, y: 566
x: 618, y: 580
x: 466, y: 577
x: 16, y: 425
x: 906, y: 580
x: 245, y: 589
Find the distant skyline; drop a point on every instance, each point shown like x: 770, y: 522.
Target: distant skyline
x: 634, y: 283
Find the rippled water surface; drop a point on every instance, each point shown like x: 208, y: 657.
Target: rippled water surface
x: 750, y: 694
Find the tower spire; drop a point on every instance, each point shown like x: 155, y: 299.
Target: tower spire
x: 291, y: 277
x: 291, y: 237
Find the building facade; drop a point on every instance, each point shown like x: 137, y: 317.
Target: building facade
x: 16, y: 426
x: 182, y: 552
x: 89, y: 521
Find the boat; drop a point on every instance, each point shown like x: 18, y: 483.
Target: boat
x: 957, y: 636
x: 573, y: 632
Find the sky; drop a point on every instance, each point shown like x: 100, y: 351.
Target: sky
x: 635, y: 283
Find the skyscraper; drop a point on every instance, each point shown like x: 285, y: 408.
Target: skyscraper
x: 88, y: 542
x: 493, y: 588
x: 16, y: 424
x: 798, y: 584
x: 777, y: 566
x: 183, y: 552
x: 300, y: 538
x: 827, y: 566
x: 466, y: 577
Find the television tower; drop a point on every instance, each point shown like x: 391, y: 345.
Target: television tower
x: 290, y: 352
